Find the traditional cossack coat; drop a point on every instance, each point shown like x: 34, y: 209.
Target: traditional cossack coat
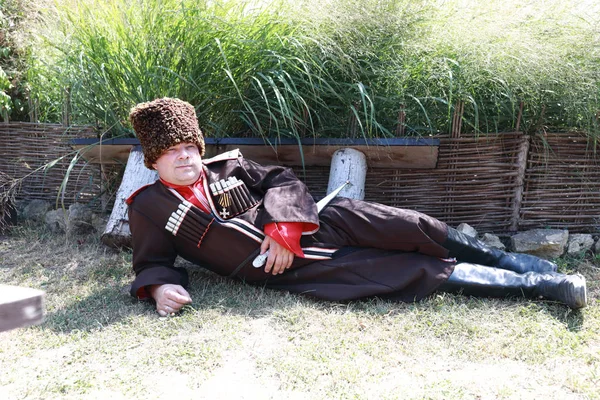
x: 353, y: 249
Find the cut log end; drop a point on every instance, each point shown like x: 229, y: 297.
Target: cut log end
x: 348, y: 165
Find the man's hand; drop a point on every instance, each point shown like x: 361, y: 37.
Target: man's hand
x: 169, y: 298
x: 279, y: 258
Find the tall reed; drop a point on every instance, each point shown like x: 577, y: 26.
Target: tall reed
x: 326, y: 68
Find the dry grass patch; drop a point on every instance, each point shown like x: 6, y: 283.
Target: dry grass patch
x: 237, y: 341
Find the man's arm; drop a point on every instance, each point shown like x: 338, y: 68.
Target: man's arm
x: 285, y: 197
x: 153, y: 263
x: 288, y: 211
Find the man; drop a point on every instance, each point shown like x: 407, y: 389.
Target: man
x: 223, y: 212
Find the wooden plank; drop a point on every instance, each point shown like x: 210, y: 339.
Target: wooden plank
x: 410, y: 157
x: 105, y: 154
x: 20, y: 307
x: 410, y: 153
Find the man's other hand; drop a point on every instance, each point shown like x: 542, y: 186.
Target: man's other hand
x: 279, y: 258
x: 169, y: 298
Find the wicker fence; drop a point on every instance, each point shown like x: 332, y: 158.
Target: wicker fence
x: 494, y: 182
x: 497, y: 183
x: 40, y: 153
x: 562, y: 187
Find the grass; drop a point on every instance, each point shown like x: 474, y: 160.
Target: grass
x: 322, y: 68
x: 237, y: 341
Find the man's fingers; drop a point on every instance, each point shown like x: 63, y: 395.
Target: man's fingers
x: 274, y: 260
x: 179, y: 298
x: 162, y: 313
x: 285, y: 261
x: 183, y: 292
x: 265, y: 245
x: 172, y: 304
x: 279, y: 262
x: 269, y: 263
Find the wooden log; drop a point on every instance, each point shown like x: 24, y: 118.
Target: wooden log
x: 20, y: 307
x: 348, y: 165
x: 117, y: 232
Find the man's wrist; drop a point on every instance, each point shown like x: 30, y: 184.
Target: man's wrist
x: 151, y: 290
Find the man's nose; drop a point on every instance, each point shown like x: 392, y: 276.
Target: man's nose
x: 183, y: 153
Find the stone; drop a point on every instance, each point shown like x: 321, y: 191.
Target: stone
x: 544, y: 243
x: 36, y: 210
x: 579, y: 243
x: 56, y: 221
x: 80, y: 219
x: 597, y: 247
x: 493, y: 241
x: 467, y: 230
x: 99, y: 222
x: 20, y: 205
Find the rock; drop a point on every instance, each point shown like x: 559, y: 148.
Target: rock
x: 20, y: 206
x: 545, y: 243
x: 597, y: 247
x: 467, y: 230
x: 579, y: 243
x: 99, y: 222
x: 80, y: 219
x: 36, y: 210
x: 493, y: 241
x: 56, y: 221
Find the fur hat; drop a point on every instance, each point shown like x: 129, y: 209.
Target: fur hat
x: 163, y: 123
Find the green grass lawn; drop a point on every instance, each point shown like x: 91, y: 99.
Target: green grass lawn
x: 242, y: 342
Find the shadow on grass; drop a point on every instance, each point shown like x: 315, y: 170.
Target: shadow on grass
x: 103, y: 307
x: 211, y: 291
x: 112, y: 304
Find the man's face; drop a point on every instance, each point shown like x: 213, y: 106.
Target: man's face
x: 180, y: 164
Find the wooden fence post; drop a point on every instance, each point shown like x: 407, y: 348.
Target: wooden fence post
x: 136, y: 175
x: 348, y: 165
x: 520, y: 182
x: 455, y: 130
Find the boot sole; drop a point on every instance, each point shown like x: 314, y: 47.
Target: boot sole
x: 576, y: 292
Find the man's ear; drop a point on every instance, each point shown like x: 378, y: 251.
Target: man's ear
x: 154, y: 167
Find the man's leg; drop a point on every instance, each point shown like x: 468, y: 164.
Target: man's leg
x: 482, y: 281
x: 468, y: 249
x: 349, y: 222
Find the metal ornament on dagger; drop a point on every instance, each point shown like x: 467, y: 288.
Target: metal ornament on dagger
x: 261, y: 259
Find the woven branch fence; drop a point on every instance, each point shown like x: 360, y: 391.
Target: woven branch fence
x: 500, y: 183
x: 26, y: 148
x: 495, y: 182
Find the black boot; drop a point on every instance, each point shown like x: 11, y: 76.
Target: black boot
x: 468, y: 249
x: 483, y: 281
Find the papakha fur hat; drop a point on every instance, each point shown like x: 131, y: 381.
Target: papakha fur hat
x: 163, y: 123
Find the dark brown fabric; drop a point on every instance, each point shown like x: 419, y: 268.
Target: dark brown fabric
x: 384, y: 251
